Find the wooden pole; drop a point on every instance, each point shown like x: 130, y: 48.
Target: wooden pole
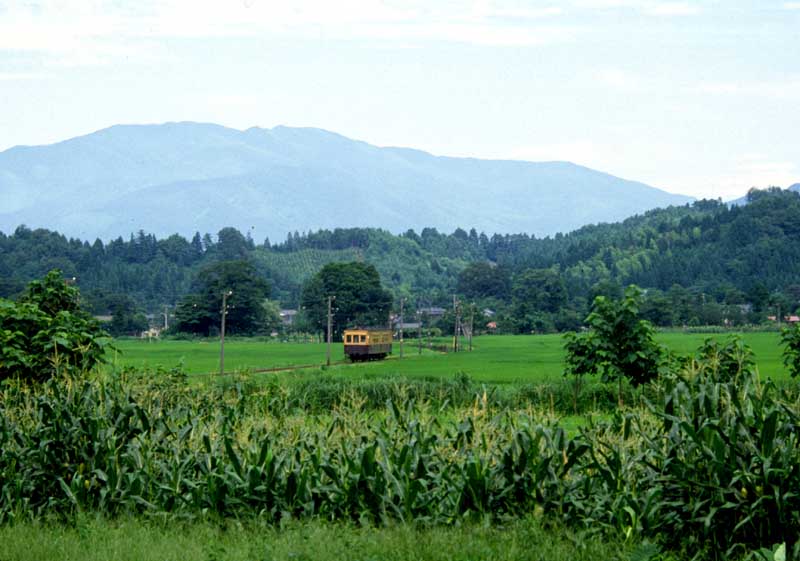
x: 471, y: 326
x: 455, y: 326
x: 224, y: 313
x: 419, y: 330
x: 330, y: 330
x: 402, y: 301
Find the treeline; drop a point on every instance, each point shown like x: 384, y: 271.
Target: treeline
x: 705, y: 263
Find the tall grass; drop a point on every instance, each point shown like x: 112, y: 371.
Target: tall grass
x: 91, y: 538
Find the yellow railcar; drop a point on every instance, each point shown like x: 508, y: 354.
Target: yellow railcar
x: 368, y: 343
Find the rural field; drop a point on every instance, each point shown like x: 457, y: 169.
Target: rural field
x: 496, y: 359
x: 454, y: 456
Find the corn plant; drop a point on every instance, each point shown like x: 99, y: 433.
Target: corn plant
x: 710, y: 467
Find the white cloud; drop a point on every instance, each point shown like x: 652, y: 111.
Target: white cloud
x: 102, y: 31
x: 787, y: 89
x: 743, y: 173
x: 760, y: 166
x: 471, y: 33
x: 607, y: 4
x: 647, y: 7
x: 19, y: 76
x: 621, y: 80
x: 791, y: 5
x: 360, y: 19
x: 488, y: 10
x: 670, y: 9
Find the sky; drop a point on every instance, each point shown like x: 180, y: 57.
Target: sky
x: 694, y: 97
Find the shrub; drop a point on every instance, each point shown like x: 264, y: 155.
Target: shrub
x: 790, y: 337
x: 46, y: 332
x: 619, y: 344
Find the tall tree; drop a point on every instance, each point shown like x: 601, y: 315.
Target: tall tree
x: 125, y: 318
x: 200, y: 312
x: 537, y: 293
x: 484, y: 280
x: 359, y: 297
x: 232, y: 245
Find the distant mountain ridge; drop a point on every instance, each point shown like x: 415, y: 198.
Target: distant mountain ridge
x: 187, y: 177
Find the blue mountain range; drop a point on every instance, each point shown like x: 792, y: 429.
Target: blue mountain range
x: 187, y: 177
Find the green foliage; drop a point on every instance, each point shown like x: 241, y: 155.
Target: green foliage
x: 619, y: 345
x: 201, y: 311
x: 46, y: 333
x: 272, y: 316
x: 728, y: 362
x: 707, y: 263
x: 53, y: 294
x: 289, y: 271
x: 708, y: 470
x: 232, y: 245
x: 790, y: 337
x: 539, y: 289
x: 125, y: 318
x: 484, y: 280
x: 359, y: 297
x: 537, y: 295
x: 726, y: 466
x: 120, y: 451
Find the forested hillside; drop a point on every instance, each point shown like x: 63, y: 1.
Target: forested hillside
x: 702, y: 263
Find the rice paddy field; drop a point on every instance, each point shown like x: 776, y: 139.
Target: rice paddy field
x: 495, y: 359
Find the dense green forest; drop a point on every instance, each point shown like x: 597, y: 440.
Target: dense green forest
x: 704, y: 263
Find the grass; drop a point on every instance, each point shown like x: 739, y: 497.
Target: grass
x: 497, y: 359
x: 98, y: 539
x: 202, y: 356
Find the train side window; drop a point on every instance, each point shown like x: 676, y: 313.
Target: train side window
x: 363, y: 338
x: 348, y: 339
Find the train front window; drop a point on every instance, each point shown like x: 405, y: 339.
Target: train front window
x: 348, y: 339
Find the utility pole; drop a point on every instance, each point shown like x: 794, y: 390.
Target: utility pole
x: 471, y: 325
x: 455, y: 324
x: 223, y: 312
x: 166, y: 320
x: 430, y: 336
x: 459, y: 328
x: 402, y: 301
x: 330, y: 329
x: 419, y: 329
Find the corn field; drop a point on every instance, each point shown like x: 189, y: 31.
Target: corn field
x: 710, y: 467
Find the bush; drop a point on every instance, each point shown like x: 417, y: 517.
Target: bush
x: 790, y: 337
x: 46, y: 332
x: 619, y: 345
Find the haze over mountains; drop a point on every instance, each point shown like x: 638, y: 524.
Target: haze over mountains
x: 187, y: 177
x: 743, y: 200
